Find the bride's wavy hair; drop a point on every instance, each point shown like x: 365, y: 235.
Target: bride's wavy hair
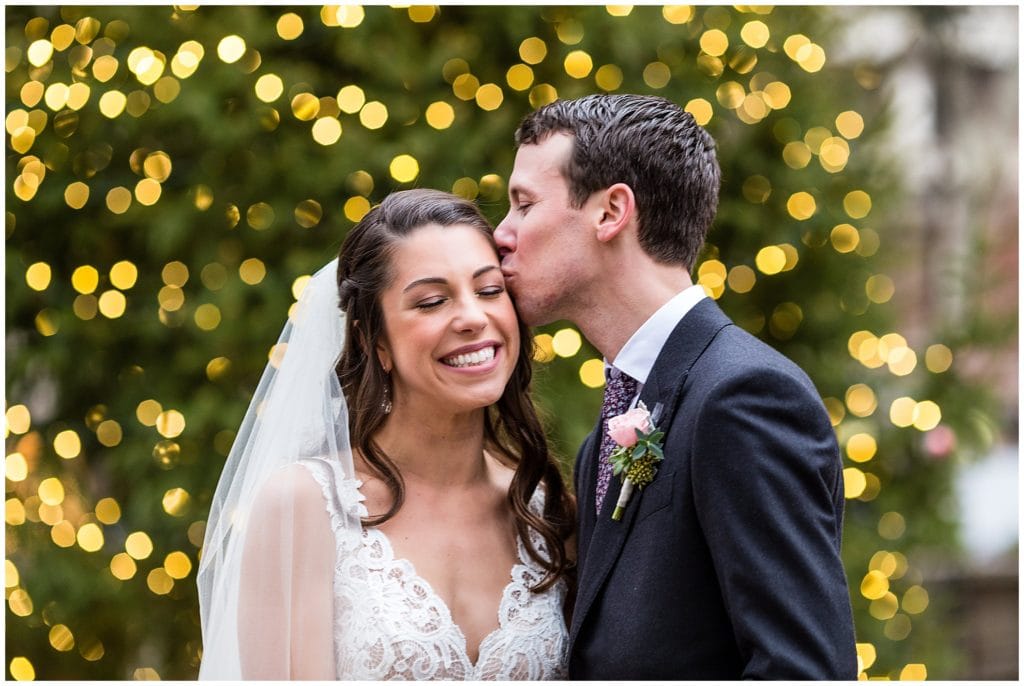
x: 511, y: 425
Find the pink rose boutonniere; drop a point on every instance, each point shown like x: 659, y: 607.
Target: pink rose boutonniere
x: 637, y: 452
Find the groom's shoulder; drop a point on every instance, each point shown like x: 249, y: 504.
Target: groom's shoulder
x: 735, y: 352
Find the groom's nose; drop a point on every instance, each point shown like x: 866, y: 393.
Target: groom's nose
x: 505, y: 237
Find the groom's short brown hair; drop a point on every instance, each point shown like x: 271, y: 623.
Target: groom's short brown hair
x: 651, y: 145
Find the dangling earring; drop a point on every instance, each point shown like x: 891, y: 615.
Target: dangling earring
x: 385, y: 404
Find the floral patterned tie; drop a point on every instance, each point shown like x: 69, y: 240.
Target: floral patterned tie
x: 619, y: 391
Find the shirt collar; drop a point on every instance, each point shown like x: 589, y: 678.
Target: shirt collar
x: 637, y: 357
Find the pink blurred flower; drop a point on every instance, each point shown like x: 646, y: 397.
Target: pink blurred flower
x: 940, y: 442
x: 622, y: 428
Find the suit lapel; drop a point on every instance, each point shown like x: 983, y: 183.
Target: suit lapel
x: 664, y: 387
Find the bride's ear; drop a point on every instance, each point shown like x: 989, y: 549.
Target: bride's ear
x: 384, y: 356
x: 616, y: 211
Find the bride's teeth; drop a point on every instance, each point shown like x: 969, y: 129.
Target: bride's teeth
x: 471, y: 359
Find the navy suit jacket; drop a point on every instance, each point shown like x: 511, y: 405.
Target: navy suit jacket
x: 727, y: 565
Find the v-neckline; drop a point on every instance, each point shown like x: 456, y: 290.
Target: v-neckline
x: 389, y: 551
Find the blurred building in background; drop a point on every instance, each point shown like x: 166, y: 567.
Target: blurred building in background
x: 951, y: 75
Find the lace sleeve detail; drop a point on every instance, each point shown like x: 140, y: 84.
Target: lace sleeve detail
x: 343, y: 499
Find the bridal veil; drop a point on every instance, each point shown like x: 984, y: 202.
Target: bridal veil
x: 265, y: 568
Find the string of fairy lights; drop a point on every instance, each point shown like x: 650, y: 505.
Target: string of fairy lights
x: 88, y: 55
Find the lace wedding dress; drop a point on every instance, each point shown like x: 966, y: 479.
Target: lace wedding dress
x: 390, y: 624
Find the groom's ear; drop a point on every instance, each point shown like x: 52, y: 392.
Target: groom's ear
x: 616, y: 210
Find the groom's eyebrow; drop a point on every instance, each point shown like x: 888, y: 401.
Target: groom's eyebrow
x: 444, y: 282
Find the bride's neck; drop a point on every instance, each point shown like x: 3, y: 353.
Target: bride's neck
x: 436, y: 450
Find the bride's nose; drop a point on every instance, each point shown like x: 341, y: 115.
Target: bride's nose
x: 471, y: 316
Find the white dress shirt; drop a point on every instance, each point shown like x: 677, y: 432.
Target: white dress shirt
x: 637, y: 357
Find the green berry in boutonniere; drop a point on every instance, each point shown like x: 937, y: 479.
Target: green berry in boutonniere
x: 637, y: 452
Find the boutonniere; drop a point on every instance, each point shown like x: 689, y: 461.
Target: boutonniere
x: 637, y: 452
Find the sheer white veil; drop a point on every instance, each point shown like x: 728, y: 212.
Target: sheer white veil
x: 297, y: 414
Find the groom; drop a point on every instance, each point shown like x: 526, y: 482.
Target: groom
x: 726, y: 565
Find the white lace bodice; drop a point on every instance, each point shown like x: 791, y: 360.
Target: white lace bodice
x: 390, y: 624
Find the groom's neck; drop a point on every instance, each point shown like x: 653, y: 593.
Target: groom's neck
x: 626, y: 299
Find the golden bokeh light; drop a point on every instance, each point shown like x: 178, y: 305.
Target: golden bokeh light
x: 326, y: 131
x: 849, y: 124
x: 170, y: 423
x: 854, y: 482
x: 171, y: 298
x: 207, y: 317
x: 844, y: 238
x: 915, y: 600
x: 885, y: 607
x: 755, y: 34
x: 569, y: 31
x: 85, y: 279
x: 177, y: 564
x: 657, y: 75
x: 123, y: 275
x: 305, y: 106
x: 112, y: 103
x: 578, y: 64
x: 422, y: 14
x: 533, y: 50
x: 14, y: 512
x: 38, y: 276
x: 677, y: 14
x: 519, y: 77
x: 21, y: 668
x: 109, y: 433
x: 796, y: 154
x: 119, y: 199
x: 902, y: 361
x: 608, y: 77
x: 404, y: 168
x: 147, y: 192
x: 440, y: 115
x: 108, y: 511
x: 39, y: 52
x: 90, y: 537
x: 861, y: 447
x: 874, y: 585
x: 289, y: 26
x: 836, y: 410
x: 373, y: 115
x: 861, y: 400
x: 19, y: 419
x: 938, y: 358
x: 351, y: 99
x: 159, y: 582
x: 619, y: 10
x: 489, y: 97
x: 592, y: 373
x: 857, y: 204
x: 356, y: 208
x: 926, y: 415
x: 901, y: 411
x: 51, y: 491
x: 67, y: 444
x: 892, y: 525
x: 914, y: 671
x: 112, y: 304
x: 770, y: 259
x: 700, y: 109
x: 801, y: 205
x: 465, y: 86
x: 176, y: 501
x: 714, y: 42
x: 20, y: 602
x: 879, y: 288
x: 543, y: 347
x: 230, y: 49
x: 566, y: 342
x: 139, y: 545
x: 542, y: 94
x: 15, y: 467
x: 76, y: 195
x: 123, y: 567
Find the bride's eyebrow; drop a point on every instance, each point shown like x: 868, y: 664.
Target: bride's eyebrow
x: 444, y: 282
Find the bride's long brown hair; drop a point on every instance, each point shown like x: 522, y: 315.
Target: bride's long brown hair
x: 511, y: 425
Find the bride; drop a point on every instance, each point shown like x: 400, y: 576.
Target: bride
x: 389, y: 509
